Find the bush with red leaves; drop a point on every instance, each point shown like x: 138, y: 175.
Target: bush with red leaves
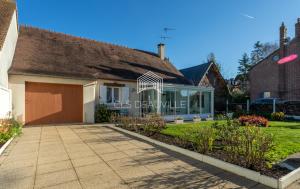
x: 254, y: 120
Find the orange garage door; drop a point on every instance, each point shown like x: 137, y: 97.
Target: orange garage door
x: 47, y: 103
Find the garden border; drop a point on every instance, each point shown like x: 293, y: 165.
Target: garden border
x: 2, y: 149
x: 280, y: 183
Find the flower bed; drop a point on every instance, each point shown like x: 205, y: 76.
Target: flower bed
x: 8, y: 129
x: 244, y: 146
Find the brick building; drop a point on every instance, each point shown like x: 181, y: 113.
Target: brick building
x: 269, y: 79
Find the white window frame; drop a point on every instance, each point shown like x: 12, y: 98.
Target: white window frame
x: 113, y: 100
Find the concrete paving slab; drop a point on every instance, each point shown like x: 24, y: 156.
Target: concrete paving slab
x: 54, y: 167
x: 55, y: 178
x: 86, y: 161
x: 92, y: 170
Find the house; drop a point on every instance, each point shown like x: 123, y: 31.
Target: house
x: 269, y: 79
x: 59, y: 78
x: 8, y: 38
x: 208, y: 75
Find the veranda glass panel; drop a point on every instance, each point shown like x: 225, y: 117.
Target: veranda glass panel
x: 168, y: 103
x: 181, y: 102
x: 149, y: 102
x: 206, y: 102
x: 194, y: 102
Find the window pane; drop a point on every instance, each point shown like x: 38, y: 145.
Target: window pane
x: 206, y: 102
x: 116, y: 95
x: 194, y: 102
x: 168, y: 103
x: 181, y: 102
x: 109, y: 95
x: 149, y: 101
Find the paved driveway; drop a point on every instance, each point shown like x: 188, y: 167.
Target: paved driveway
x: 99, y: 157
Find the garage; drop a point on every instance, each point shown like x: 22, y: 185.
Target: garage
x: 47, y: 103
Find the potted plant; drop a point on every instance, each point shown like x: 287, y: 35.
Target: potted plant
x: 209, y: 118
x: 178, y: 120
x: 196, y: 119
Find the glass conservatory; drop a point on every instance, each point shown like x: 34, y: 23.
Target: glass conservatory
x: 178, y: 101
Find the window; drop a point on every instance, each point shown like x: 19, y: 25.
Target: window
x: 116, y: 95
x: 194, y: 102
x: 109, y: 95
x: 168, y: 102
x: 181, y: 102
x: 206, y: 102
x: 113, y: 95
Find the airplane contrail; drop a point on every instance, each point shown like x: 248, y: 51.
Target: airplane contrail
x: 248, y: 16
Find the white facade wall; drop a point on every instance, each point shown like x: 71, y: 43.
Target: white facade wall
x: 8, y: 50
x: 6, y: 56
x: 5, y: 102
x: 89, y: 95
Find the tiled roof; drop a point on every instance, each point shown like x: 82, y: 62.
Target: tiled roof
x: 7, y: 9
x: 195, y: 73
x: 41, y: 52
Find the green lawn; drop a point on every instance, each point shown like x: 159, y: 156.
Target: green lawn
x: 286, y: 134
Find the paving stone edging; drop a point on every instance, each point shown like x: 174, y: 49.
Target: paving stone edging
x: 6, y: 145
x: 281, y: 183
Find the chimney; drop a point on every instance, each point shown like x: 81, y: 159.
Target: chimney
x: 282, y: 39
x: 297, y: 28
x: 161, y: 51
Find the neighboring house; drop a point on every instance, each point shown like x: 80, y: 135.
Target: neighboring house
x: 241, y: 85
x: 58, y: 78
x: 208, y: 75
x: 269, y: 79
x: 8, y: 38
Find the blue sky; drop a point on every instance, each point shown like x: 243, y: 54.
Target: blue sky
x: 225, y: 27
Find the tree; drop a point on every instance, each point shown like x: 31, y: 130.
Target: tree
x: 243, y: 69
x: 261, y: 51
x: 212, y: 58
x: 257, y: 53
x: 268, y: 48
x: 244, y: 65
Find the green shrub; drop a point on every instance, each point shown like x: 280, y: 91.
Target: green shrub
x: 244, y: 145
x: 220, y: 117
x: 277, y: 116
x: 224, y: 131
x: 152, y: 125
x: 125, y: 122
x: 202, y: 138
x: 102, y: 114
x: 149, y: 125
x: 8, y: 129
x: 254, y: 146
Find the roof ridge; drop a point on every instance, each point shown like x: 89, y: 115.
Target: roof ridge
x: 195, y: 66
x: 75, y: 37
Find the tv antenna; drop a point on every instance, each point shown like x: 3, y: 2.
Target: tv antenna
x: 168, y: 29
x: 165, y: 36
